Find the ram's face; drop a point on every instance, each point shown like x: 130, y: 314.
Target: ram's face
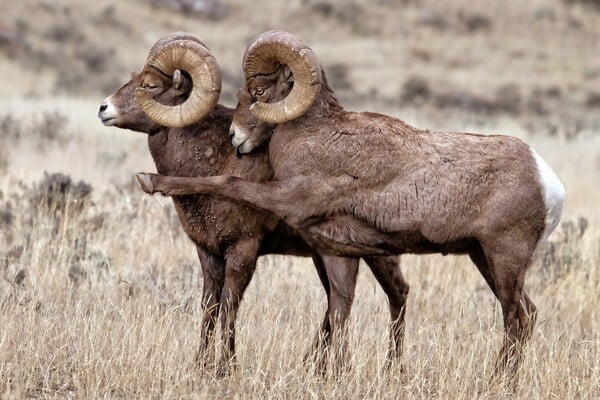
x: 248, y: 132
x: 122, y: 110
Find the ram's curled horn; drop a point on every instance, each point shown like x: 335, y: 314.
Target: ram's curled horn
x: 171, y: 37
x: 268, y: 51
x: 194, y: 58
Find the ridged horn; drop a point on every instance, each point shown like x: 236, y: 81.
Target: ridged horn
x: 194, y: 58
x: 171, y: 37
x: 268, y: 51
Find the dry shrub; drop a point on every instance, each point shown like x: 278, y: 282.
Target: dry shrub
x: 64, y: 31
x: 477, y: 22
x: 591, y: 3
x: 13, y: 42
x: 338, y: 76
x: 465, y: 100
x: 559, y: 256
x: 6, y: 216
x: 508, y: 98
x: 42, y: 128
x: 415, y: 90
x: 9, y: 269
x: 86, y: 263
x: 3, y: 160
x: 56, y: 203
x: 10, y: 127
x: 543, y: 99
x: 58, y: 193
x: 593, y: 100
x: 51, y: 214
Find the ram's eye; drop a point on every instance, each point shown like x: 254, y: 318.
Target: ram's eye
x: 149, y: 86
x: 259, y: 91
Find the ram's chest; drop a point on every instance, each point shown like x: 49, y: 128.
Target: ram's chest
x: 212, y: 222
x: 192, y: 160
x: 206, y: 219
x: 189, y: 153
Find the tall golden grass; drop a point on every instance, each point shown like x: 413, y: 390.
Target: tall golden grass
x: 106, y: 302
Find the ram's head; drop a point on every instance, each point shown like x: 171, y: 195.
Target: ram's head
x: 282, y: 81
x: 179, y: 84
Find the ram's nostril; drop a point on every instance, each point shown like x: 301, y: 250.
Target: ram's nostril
x: 103, y: 107
x: 231, y: 134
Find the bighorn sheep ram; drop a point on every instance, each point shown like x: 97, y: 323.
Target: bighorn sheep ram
x: 174, y: 100
x: 363, y: 184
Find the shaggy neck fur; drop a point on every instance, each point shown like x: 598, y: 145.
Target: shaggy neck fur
x: 326, y: 104
x: 207, y: 144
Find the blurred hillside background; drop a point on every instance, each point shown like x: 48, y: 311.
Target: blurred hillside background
x: 532, y: 59
x: 84, y: 253
x: 524, y: 67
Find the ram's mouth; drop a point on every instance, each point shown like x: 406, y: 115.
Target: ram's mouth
x: 108, y: 121
x: 237, y: 135
x: 237, y: 140
x: 245, y: 147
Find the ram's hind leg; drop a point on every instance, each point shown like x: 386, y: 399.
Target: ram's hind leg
x: 388, y: 274
x: 213, y: 273
x: 479, y: 259
x: 338, y: 275
x: 507, y: 260
x: 316, y: 353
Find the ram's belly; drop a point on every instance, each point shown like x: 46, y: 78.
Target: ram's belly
x: 434, y: 214
x: 346, y: 235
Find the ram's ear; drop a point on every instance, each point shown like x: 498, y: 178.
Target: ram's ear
x: 288, y: 76
x: 177, y: 80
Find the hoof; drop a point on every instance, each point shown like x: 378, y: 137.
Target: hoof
x: 145, y: 181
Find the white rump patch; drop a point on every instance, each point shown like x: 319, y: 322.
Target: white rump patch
x: 554, y: 195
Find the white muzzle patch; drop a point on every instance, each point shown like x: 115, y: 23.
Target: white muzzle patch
x: 108, y: 112
x: 239, y: 135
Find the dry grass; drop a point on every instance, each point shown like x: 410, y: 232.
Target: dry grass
x: 103, y: 300
x: 129, y: 331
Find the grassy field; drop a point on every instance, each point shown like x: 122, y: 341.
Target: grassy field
x: 99, y: 292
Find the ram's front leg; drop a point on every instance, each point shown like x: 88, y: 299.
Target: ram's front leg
x: 213, y: 274
x: 172, y: 185
x: 241, y: 262
x: 293, y: 201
